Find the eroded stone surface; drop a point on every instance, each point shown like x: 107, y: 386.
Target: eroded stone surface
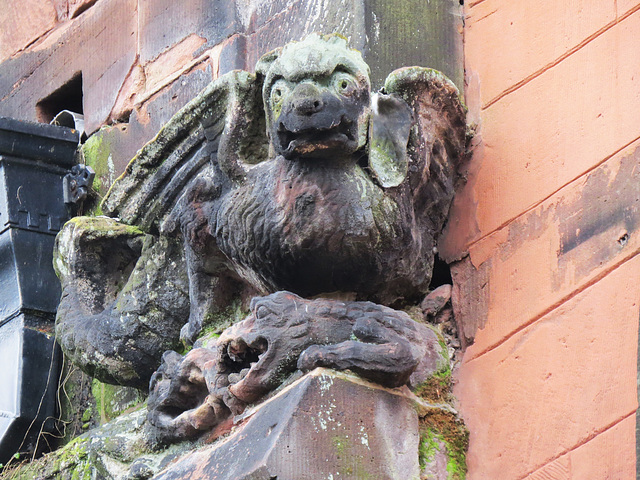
x: 114, y: 451
x: 291, y: 178
x: 325, y: 423
x: 314, y: 429
x: 116, y: 331
x: 191, y: 395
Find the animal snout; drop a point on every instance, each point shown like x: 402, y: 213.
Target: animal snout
x: 307, y: 99
x: 308, y: 106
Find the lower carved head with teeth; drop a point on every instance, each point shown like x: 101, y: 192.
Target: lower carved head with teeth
x: 283, y: 333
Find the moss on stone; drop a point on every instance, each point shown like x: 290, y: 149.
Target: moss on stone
x: 69, y: 463
x: 216, y: 323
x: 97, y: 155
x: 87, y: 414
x: 439, y: 427
x: 437, y: 389
x: 113, y: 400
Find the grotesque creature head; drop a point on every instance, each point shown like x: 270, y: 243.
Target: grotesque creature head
x: 316, y: 97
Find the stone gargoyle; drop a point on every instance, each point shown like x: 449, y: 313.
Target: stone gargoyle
x: 293, y: 178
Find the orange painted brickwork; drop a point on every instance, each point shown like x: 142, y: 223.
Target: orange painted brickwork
x: 546, y: 236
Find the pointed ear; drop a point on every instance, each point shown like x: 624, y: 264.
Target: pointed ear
x: 266, y: 60
x: 389, y: 129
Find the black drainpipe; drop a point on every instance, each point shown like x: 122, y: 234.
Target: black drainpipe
x: 34, y: 158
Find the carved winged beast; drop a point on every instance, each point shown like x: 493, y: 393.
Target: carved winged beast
x: 293, y: 178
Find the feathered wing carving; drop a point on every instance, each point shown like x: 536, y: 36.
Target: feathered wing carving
x: 417, y: 140
x: 224, y: 123
x: 437, y: 140
x: 126, y: 287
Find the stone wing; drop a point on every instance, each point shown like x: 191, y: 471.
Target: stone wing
x: 224, y: 124
x: 437, y: 143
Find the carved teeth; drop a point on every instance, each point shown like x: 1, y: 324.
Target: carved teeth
x: 339, y: 130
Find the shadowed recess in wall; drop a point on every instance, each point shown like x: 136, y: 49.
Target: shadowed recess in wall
x: 67, y: 97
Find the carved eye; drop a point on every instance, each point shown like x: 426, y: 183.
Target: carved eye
x: 344, y: 84
x: 262, y: 312
x: 278, y: 91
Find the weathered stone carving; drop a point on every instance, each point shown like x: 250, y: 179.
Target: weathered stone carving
x: 293, y: 178
x: 283, y: 333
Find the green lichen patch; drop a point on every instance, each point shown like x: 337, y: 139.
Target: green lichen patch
x: 437, y: 389
x: 216, y: 323
x: 69, y: 463
x: 114, y: 400
x: 440, y: 428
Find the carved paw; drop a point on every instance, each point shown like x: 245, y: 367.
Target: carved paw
x: 315, y: 356
x: 88, y: 246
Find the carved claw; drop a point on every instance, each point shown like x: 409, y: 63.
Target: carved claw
x: 313, y: 357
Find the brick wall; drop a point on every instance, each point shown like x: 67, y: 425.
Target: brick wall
x: 549, y: 292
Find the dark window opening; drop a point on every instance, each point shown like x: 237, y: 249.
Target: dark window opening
x: 441, y: 274
x: 67, y: 97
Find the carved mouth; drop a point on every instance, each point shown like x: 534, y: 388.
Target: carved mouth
x: 243, y: 354
x: 316, y: 139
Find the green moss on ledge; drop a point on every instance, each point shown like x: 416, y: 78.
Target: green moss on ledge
x: 443, y: 432
x: 114, y: 400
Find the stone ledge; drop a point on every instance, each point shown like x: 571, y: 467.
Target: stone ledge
x: 325, y: 425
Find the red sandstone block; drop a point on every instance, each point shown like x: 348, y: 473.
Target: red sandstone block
x: 165, y: 23
x: 76, y: 7
x: 171, y: 63
x: 624, y: 6
x: 553, y: 129
x: 609, y: 455
x: 536, y: 262
x: 23, y: 22
x: 507, y: 41
x: 71, y: 8
x: 122, y: 141
x: 100, y: 43
x: 556, y: 384
x: 108, y: 50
